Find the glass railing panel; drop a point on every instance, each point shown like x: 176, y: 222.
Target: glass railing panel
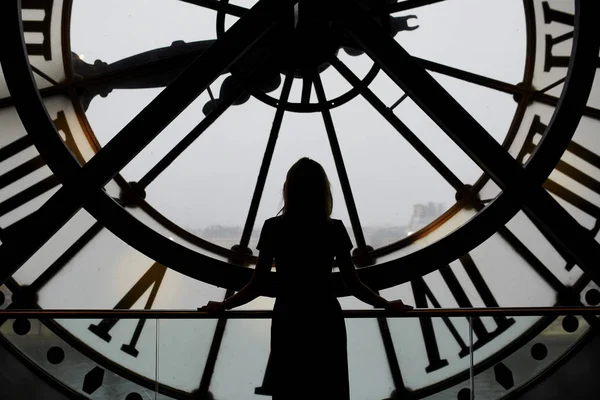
x: 186, y: 353
x: 433, y: 355
x: 428, y: 354
x: 242, y: 370
x: 44, y: 346
x: 531, y: 359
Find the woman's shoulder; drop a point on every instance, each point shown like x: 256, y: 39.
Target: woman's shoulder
x: 273, y: 221
x: 336, y: 222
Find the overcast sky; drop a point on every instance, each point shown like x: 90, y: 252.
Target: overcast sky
x: 213, y: 181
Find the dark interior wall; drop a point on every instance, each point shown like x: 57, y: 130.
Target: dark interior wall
x: 577, y: 379
x: 19, y: 381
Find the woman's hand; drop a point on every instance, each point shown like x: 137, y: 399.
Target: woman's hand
x: 213, y: 307
x: 398, y: 306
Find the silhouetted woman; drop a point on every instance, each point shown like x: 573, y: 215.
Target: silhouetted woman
x: 308, y: 334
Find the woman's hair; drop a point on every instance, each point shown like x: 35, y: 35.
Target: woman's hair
x: 306, y: 191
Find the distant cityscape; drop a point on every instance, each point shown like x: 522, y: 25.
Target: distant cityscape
x: 376, y: 236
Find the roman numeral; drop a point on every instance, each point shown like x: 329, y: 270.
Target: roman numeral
x: 551, y: 15
x: 14, y: 175
x: 423, y: 295
x: 38, y: 26
x: 586, y: 179
x: 26, y: 195
x: 152, y: 278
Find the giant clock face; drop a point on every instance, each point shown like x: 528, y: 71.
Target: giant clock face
x: 97, y: 210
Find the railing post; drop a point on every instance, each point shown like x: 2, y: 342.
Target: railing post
x: 471, y: 375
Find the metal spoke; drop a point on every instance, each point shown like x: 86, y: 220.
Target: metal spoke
x: 340, y: 167
x: 404, y: 130
x: 88, y: 181
x: 397, y: 103
x: 471, y: 77
x: 484, y: 81
x: 538, y: 266
x: 446, y: 112
x: 43, y: 75
x: 552, y: 86
x: 266, y: 162
x: 222, y: 105
x: 550, y: 100
x: 307, y: 85
x: 216, y: 5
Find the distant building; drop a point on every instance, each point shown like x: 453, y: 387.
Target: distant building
x: 423, y: 215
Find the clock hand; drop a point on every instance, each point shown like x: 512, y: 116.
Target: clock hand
x: 157, y: 68
x: 154, y: 68
x: 396, y: 25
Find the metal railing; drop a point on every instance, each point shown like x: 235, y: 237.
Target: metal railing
x: 266, y: 314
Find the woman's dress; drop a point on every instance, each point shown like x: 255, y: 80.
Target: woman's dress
x: 308, y: 334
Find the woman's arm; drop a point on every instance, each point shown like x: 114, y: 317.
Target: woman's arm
x: 249, y: 292
x: 356, y: 286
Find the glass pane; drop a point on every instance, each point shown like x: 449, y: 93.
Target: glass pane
x: 393, y: 185
x: 242, y: 361
x: 493, y: 109
x: 182, y: 366
x: 445, y: 35
x: 241, y: 368
x: 438, y: 142
x: 214, y: 180
x: 369, y: 369
x: 122, y: 106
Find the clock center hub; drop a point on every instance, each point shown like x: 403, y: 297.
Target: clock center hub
x: 311, y: 39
